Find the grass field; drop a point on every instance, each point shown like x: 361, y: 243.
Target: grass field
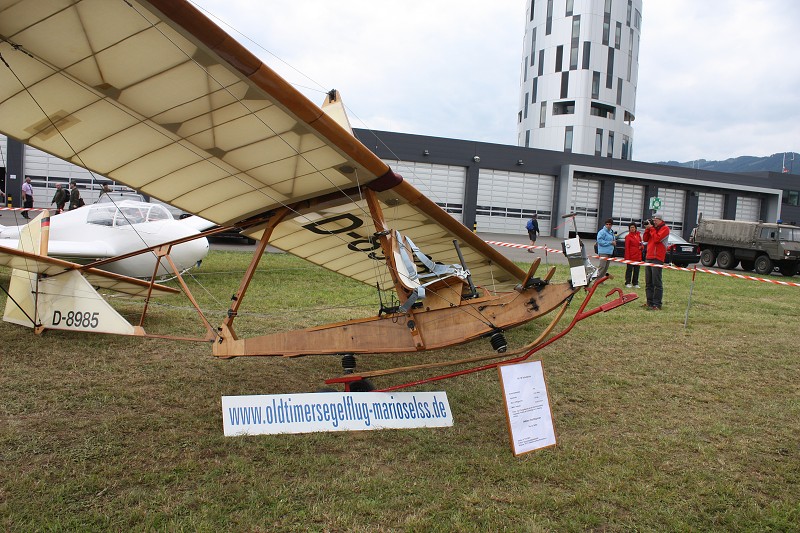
x: 660, y: 427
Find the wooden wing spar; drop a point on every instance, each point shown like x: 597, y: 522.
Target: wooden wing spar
x: 154, y: 95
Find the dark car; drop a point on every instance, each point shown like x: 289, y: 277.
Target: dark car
x: 680, y: 252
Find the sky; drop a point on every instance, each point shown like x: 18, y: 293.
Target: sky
x: 717, y: 78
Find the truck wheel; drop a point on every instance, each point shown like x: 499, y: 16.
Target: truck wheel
x: 748, y: 265
x: 707, y: 257
x: 726, y: 260
x: 788, y: 269
x: 763, y: 265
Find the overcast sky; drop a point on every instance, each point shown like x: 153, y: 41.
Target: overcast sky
x: 717, y: 78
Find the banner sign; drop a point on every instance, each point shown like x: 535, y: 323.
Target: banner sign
x: 530, y: 421
x: 337, y: 411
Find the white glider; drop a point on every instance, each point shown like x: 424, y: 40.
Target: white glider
x: 105, y: 230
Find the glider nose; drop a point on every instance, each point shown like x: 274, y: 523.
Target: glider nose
x: 189, y: 254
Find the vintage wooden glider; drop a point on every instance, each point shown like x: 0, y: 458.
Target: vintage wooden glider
x: 154, y: 95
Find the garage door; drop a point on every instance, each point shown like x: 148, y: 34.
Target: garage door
x: 444, y: 184
x: 748, y: 209
x: 506, y: 200
x: 673, y: 203
x: 585, y: 203
x: 628, y: 204
x: 710, y: 205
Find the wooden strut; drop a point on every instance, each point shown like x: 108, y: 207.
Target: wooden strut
x: 227, y: 341
x: 162, y: 252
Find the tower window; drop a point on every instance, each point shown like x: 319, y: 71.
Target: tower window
x: 610, y: 152
x: 587, y: 49
x: 602, y: 110
x: 595, y: 84
x: 564, y: 108
x: 628, y: 17
x: 543, y: 115
x: 541, y: 62
x: 559, y: 57
x: 568, y: 139
x: 549, y: 22
x: 598, y: 141
x: 573, y: 49
x: 618, y: 36
x: 564, y: 84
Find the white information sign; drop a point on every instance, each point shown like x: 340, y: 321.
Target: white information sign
x: 333, y: 411
x: 530, y: 421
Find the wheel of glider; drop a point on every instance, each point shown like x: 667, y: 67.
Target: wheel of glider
x: 707, y: 257
x: 362, y: 385
x: 763, y: 265
x: 788, y: 269
x: 748, y: 265
x: 726, y: 260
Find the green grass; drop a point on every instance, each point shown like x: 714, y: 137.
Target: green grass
x: 660, y: 427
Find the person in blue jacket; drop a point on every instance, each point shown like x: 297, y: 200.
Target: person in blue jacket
x: 533, y: 230
x: 605, y: 246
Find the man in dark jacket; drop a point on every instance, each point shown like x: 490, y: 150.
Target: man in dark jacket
x: 59, y: 198
x: 74, y: 197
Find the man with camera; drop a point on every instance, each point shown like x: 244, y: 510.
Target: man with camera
x: 655, y: 235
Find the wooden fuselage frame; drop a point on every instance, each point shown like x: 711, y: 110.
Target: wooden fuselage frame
x: 444, y: 319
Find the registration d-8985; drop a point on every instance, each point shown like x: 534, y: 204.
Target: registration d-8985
x: 76, y: 319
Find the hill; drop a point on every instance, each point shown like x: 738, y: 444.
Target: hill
x: 745, y: 163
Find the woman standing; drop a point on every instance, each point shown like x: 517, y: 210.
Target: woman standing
x: 633, y: 252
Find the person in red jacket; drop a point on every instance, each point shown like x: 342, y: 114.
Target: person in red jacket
x: 633, y: 252
x: 655, y: 235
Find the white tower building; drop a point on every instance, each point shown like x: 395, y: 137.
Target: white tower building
x: 579, y: 76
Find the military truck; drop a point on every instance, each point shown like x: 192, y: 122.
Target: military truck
x: 758, y: 246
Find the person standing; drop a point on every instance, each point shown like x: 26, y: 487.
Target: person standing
x: 27, y: 197
x: 59, y: 198
x: 633, y: 252
x: 74, y: 197
x: 533, y: 231
x: 605, y: 246
x: 105, y: 190
x: 656, y: 234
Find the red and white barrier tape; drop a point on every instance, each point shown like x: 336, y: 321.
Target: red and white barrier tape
x: 643, y: 263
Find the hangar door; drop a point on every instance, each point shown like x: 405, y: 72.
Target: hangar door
x: 673, y: 202
x: 506, y: 200
x: 585, y: 202
x: 710, y: 205
x: 46, y: 171
x: 628, y: 204
x: 444, y: 184
x: 748, y: 209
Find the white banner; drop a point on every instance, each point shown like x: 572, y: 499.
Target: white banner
x: 530, y: 420
x: 333, y: 411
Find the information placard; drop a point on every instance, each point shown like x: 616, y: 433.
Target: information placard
x: 343, y: 411
x: 530, y: 420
